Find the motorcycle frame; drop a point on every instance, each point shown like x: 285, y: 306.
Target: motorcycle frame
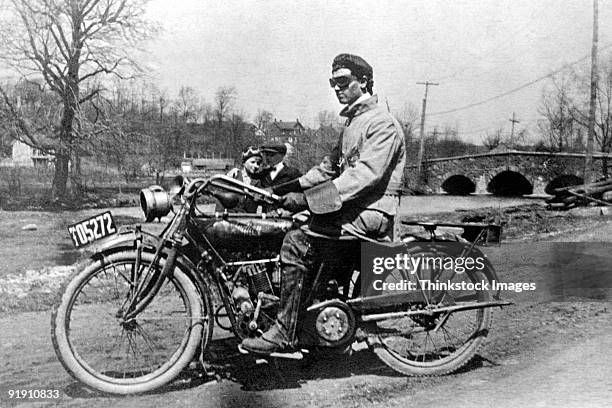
x: 208, y: 264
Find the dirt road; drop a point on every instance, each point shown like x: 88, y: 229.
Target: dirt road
x: 540, y: 353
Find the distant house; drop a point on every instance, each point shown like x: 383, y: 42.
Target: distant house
x: 209, y: 165
x: 285, y: 132
x: 26, y: 156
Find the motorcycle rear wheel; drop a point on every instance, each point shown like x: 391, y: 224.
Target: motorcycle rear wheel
x: 106, y: 352
x: 421, y: 351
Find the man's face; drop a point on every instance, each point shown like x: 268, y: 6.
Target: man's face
x: 350, y: 93
x: 273, y: 158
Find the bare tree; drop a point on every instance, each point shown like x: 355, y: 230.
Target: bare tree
x: 328, y: 118
x: 603, y: 111
x: 71, y: 45
x: 187, y: 104
x: 224, y: 100
x: 207, y: 114
x: 565, y: 110
x: 263, y: 118
x: 559, y: 125
x: 493, y: 139
x: 237, y: 127
x: 408, y: 117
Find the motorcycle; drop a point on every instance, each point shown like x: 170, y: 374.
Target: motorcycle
x: 144, y: 306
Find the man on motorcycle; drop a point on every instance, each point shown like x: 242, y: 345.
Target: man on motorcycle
x: 358, y: 195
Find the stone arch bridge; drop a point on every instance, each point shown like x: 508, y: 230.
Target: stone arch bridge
x: 510, y: 172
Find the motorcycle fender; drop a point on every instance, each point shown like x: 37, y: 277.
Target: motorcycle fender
x: 488, y: 270
x: 125, y: 237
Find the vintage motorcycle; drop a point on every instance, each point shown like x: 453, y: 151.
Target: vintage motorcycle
x: 143, y: 307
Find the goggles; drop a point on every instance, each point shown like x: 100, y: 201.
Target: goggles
x: 341, y: 82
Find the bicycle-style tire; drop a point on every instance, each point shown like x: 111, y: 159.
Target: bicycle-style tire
x: 98, y: 348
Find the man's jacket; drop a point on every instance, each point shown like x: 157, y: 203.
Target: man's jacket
x: 369, y: 160
x: 286, y: 174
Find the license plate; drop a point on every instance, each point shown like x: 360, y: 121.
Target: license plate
x: 92, y: 229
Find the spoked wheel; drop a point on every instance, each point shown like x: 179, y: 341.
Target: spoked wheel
x: 436, y: 343
x: 100, y: 348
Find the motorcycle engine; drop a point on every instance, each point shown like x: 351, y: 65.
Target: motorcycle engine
x: 255, y: 278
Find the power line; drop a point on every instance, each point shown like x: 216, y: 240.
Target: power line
x: 491, y: 128
x: 528, y: 84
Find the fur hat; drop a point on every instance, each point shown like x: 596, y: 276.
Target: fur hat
x: 249, y: 152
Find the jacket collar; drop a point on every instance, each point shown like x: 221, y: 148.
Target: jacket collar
x: 360, y: 107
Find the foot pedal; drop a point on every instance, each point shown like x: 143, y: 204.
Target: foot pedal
x: 296, y: 355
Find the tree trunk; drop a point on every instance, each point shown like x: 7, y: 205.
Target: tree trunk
x: 60, y: 177
x: 63, y: 153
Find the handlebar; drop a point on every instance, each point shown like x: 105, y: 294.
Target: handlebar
x: 222, y: 181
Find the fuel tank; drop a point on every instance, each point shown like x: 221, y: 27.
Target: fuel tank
x: 244, y: 232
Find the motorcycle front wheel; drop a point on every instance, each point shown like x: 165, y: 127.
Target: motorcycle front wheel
x: 111, y: 354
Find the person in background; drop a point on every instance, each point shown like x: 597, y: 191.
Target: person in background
x: 251, y: 170
x: 249, y: 173
x: 277, y: 172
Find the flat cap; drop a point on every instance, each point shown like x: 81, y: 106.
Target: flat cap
x: 358, y: 66
x: 274, y: 147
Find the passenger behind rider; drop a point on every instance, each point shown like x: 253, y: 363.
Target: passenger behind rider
x: 276, y: 170
x: 250, y: 173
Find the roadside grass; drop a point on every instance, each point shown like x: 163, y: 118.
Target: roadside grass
x: 35, y: 262
x: 34, y: 290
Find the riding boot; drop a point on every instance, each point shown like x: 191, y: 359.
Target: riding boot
x: 295, y: 261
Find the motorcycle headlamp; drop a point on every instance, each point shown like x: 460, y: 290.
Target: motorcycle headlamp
x: 155, y: 202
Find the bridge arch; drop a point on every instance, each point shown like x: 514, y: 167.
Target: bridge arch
x: 563, y: 180
x: 458, y: 184
x: 509, y: 183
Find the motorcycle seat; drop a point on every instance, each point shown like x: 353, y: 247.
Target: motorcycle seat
x: 352, y: 238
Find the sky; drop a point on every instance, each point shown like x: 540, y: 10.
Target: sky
x: 277, y: 54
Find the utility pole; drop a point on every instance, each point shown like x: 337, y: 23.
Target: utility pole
x: 513, y: 120
x: 588, y: 157
x: 422, y: 144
